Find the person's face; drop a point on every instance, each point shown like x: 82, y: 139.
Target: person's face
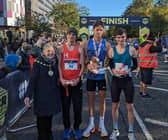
x: 24, y: 45
x: 71, y: 37
x: 49, y: 52
x: 98, y: 31
x: 121, y: 39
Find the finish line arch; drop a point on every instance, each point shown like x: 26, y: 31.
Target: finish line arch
x: 86, y: 21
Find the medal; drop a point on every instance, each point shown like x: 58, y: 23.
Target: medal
x: 50, y: 73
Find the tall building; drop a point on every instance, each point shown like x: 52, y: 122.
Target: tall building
x: 12, y: 13
x: 43, y: 7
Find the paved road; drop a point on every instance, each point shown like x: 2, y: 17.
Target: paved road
x: 151, y: 121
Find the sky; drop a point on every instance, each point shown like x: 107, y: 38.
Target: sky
x: 105, y: 7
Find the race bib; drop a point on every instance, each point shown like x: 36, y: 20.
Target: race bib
x: 71, y: 65
x: 121, y: 66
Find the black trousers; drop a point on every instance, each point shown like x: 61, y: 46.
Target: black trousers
x: 44, y: 127
x: 75, y: 95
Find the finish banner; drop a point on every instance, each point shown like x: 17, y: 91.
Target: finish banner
x: 117, y: 21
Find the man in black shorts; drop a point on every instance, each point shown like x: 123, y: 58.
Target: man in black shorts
x: 121, y: 58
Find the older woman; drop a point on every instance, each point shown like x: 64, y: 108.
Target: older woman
x: 45, y: 89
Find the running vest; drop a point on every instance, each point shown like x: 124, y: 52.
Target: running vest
x: 70, y: 63
x: 122, y: 61
x: 91, y: 52
x: 146, y: 58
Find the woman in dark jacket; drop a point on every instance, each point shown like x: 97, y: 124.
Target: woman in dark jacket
x: 44, y: 87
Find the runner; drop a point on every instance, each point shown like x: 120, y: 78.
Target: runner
x: 71, y: 66
x: 121, y: 55
x: 95, y: 53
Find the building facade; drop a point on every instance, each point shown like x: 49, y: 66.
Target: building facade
x: 12, y: 13
x: 43, y: 7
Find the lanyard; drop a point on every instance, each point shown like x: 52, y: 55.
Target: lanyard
x: 97, y: 51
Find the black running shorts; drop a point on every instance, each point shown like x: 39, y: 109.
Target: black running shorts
x: 125, y: 84
x: 91, y: 85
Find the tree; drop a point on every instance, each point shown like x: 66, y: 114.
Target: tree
x: 38, y: 24
x: 158, y: 13
x: 159, y: 19
x: 139, y: 8
x: 65, y: 15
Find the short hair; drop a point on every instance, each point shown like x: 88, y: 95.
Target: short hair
x: 98, y: 23
x: 119, y: 31
x: 49, y: 44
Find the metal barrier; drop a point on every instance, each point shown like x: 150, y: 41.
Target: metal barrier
x: 12, y: 91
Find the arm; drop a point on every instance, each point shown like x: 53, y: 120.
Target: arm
x: 133, y: 52
x: 60, y: 50
x: 109, y: 54
x: 81, y: 51
x: 33, y: 80
x: 86, y: 60
x: 154, y: 49
x: 134, y: 55
x: 32, y: 84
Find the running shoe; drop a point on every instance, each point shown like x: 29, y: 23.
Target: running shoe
x: 67, y: 134
x: 87, y: 132
x: 114, y: 135
x: 103, y: 132
x: 78, y: 134
x: 131, y: 136
x: 145, y: 95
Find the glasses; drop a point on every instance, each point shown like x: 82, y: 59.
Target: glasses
x: 118, y: 37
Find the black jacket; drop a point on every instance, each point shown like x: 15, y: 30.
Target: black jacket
x: 45, y: 89
x: 25, y: 64
x: 152, y: 49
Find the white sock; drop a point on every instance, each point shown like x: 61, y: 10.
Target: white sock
x: 91, y: 122
x: 101, y: 122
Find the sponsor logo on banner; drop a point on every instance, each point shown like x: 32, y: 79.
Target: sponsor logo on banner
x: 23, y: 88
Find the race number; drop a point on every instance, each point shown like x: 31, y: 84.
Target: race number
x: 71, y: 65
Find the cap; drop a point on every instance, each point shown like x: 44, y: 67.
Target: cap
x: 73, y: 30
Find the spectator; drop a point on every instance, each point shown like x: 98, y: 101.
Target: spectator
x: 24, y: 52
x: 12, y: 61
x: 44, y: 89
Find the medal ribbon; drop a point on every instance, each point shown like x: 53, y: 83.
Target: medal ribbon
x: 97, y: 51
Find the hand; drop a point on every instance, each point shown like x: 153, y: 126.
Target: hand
x: 63, y: 82
x: 115, y: 72
x: 27, y: 101
x: 124, y: 72
x: 90, y: 67
x: 75, y: 82
x: 118, y: 72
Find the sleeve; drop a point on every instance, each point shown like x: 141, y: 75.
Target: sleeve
x: 33, y: 80
x: 154, y: 49
x: 135, y: 63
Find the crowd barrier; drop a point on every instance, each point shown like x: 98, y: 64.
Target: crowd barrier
x: 12, y: 91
